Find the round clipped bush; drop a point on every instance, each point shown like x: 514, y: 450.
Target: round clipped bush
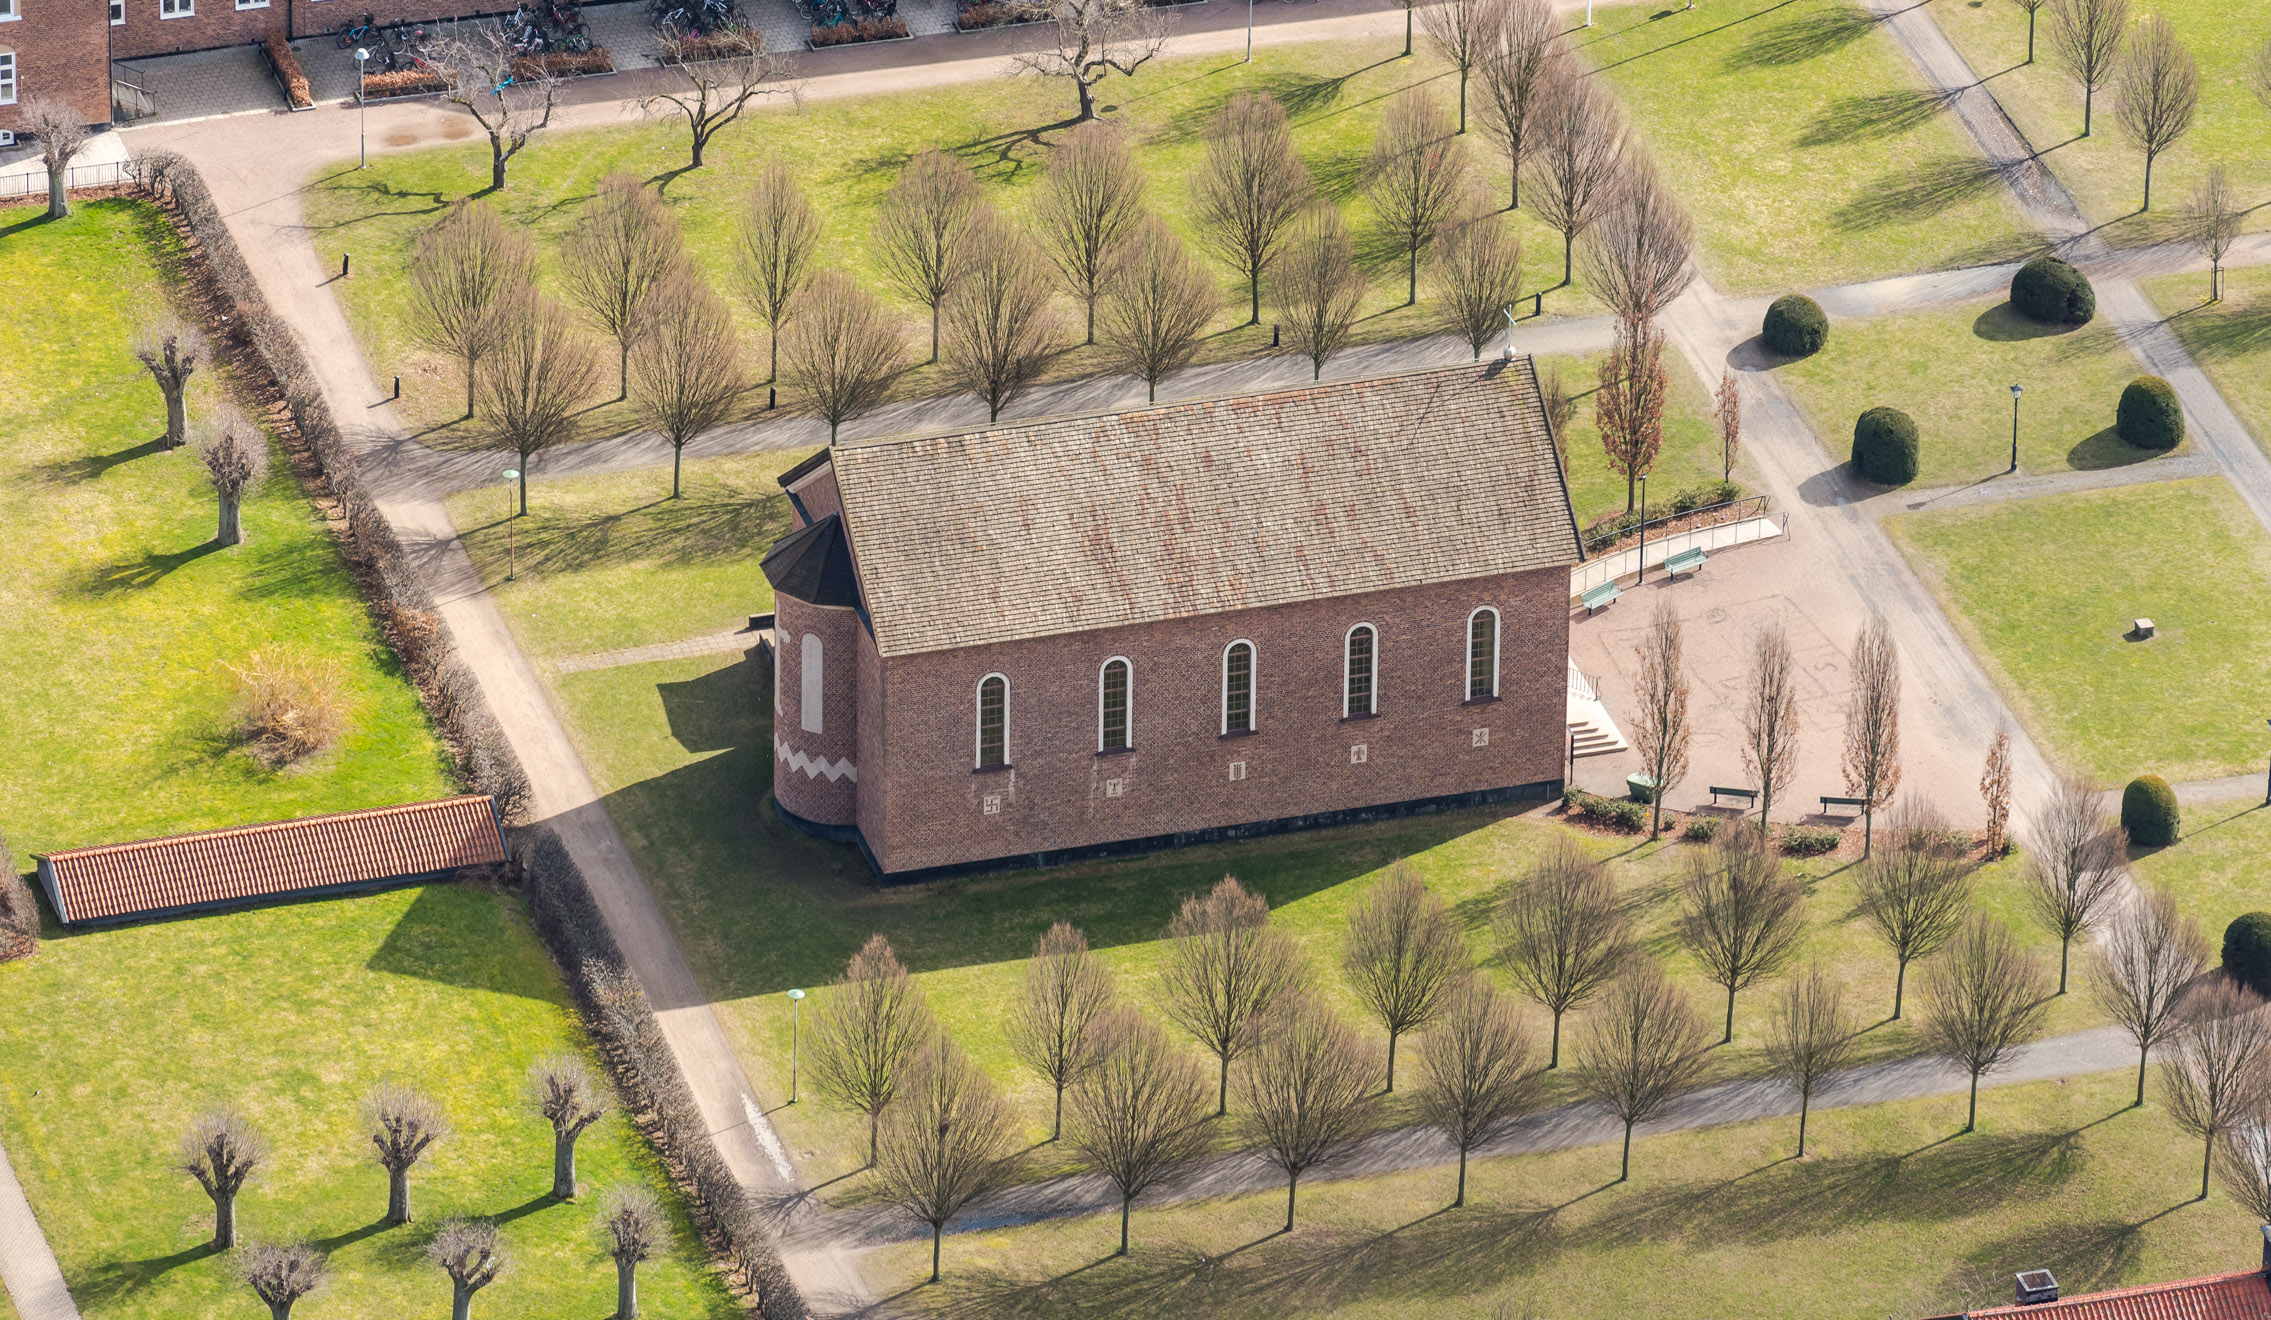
x: 2247, y: 951
x: 1884, y: 446
x: 2148, y: 812
x: 1795, y: 326
x: 2048, y: 289
x: 2149, y: 416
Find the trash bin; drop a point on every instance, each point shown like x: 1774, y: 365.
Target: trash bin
x: 1641, y: 787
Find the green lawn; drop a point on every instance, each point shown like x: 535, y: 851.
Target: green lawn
x: 1690, y: 456
x: 1952, y: 368
x: 2106, y: 171
x: 1807, y: 146
x: 2045, y: 590
x: 2212, y: 866
x: 2231, y: 340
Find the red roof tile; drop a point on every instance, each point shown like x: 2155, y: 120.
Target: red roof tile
x: 261, y: 861
x: 2245, y: 1295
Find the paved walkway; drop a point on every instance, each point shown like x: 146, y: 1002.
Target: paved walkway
x: 27, y: 1266
x: 740, y: 639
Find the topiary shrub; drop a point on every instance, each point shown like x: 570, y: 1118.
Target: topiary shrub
x: 1702, y: 829
x: 1884, y: 446
x: 2149, y: 416
x: 1795, y: 326
x: 2048, y: 289
x: 2148, y: 812
x: 2247, y: 951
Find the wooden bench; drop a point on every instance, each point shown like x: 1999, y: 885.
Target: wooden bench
x: 1853, y: 806
x: 1601, y: 596
x: 1686, y: 561
x: 1748, y: 795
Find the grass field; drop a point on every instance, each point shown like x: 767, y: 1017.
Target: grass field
x: 2231, y: 340
x: 2045, y: 589
x: 2211, y: 865
x: 1952, y: 368
x: 1690, y: 456
x: 1806, y: 145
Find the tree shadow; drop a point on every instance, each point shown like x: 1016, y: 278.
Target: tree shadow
x: 140, y: 574
x: 2226, y: 332
x: 2002, y: 324
x: 2106, y: 449
x: 1693, y: 36
x: 699, y: 709
x: 1340, y: 174
x: 1918, y: 193
x: 328, y: 1245
x: 378, y: 191
x: 431, y: 942
x: 1820, y: 33
x: 93, y: 466
x: 123, y: 1278
x: 1882, y: 115
x: 1003, y: 157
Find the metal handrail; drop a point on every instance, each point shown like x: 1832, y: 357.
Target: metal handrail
x: 1614, y: 535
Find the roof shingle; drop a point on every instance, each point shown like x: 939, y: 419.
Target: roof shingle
x: 2244, y: 1295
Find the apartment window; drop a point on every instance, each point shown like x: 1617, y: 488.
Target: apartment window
x: 9, y: 11
x: 7, y: 76
x: 1112, y: 692
x: 993, y: 722
x: 177, y: 8
x: 252, y: 4
x: 117, y: 12
x: 812, y: 673
x: 1238, y: 688
x: 1482, y: 654
x: 1357, y: 687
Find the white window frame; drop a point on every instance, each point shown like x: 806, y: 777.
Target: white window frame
x: 252, y: 4
x: 1347, y: 671
x: 1467, y: 653
x: 11, y: 10
x: 978, y: 722
x: 8, y: 82
x: 177, y: 8
x: 812, y: 678
x: 1253, y: 686
x: 1101, y: 670
x: 117, y: 13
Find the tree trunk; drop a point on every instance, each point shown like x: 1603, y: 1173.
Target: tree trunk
x: 2142, y: 1051
x: 279, y: 1311
x: 563, y: 1166
x: 1407, y: 31
x: 1461, y: 1198
x: 1254, y: 294
x: 1292, y: 1181
x: 701, y: 139
x: 2065, y: 947
x: 1624, y: 1170
x: 1462, y: 101
x: 1125, y: 1202
x: 1087, y: 99
x: 873, y: 1121
x: 1568, y: 256
x: 937, y: 1231
x: 1091, y: 320
x: 2148, y: 183
x: 1411, y: 292
x: 2207, y: 1154
x: 1222, y: 1088
x: 398, y: 1200
x: 1868, y: 829
x: 1553, y: 1055
x: 1631, y: 493
x: 773, y: 359
x: 1971, y: 1115
x: 934, y: 332
x: 626, y: 1290
x: 460, y: 1302
x: 1805, y: 1102
x: 1514, y: 193
x: 1391, y: 1062
x: 2030, y: 36
x: 58, y: 197
x: 677, y: 457
x: 224, y: 1222
x: 177, y: 416
x: 2089, y: 95
x: 524, y: 485
x: 622, y: 369
x: 232, y: 525
x: 470, y: 364
x: 1728, y: 1037
x: 1900, y: 983
x: 1057, y: 1123
x: 496, y: 184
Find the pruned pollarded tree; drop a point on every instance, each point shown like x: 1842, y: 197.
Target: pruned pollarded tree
x: 60, y: 134
x: 171, y: 349
x: 2217, y: 1077
x: 2076, y: 869
x: 1577, y: 156
x: 1741, y: 916
x: 1403, y: 954
x: 780, y: 232
x: 1305, y: 1094
x: 280, y: 1274
x: 1995, y: 787
x: 625, y: 244
x: 1475, y: 1078
x: 1415, y: 177
x: 541, y: 372
x: 1477, y: 271
x: 1068, y: 990
x: 2085, y: 39
x: 2148, y: 954
x: 1138, y: 1110
x: 463, y: 267
x: 946, y: 1142
x: 221, y: 1150
x: 1091, y: 202
x: 865, y: 1030
x: 844, y: 350
x: 233, y: 453
x: 510, y: 97
x: 1983, y: 1001
x: 632, y: 1231
x: 1628, y: 403
x: 1770, y: 716
x: 1249, y: 190
x: 2214, y: 217
x: 2033, y: 7
x: 472, y: 1253
x: 1318, y: 286
x: 1090, y: 40
x: 1156, y: 304
x: 569, y: 1095
x: 1808, y: 1037
x: 685, y: 372
x: 1872, y: 725
x: 1001, y: 330
x: 1640, y: 1049
x: 1465, y: 34
x: 922, y: 228
x: 1521, y: 63
x: 1661, y: 731
x: 714, y: 85
x: 1562, y: 933
x: 1727, y: 421
x: 1914, y: 894
x: 1637, y: 254
x: 1225, y: 967
x: 2156, y: 92
x: 402, y: 1124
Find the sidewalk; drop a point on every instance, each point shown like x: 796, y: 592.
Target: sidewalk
x: 33, y: 1280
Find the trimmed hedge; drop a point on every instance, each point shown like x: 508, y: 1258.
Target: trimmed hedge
x: 1810, y: 840
x: 2247, y: 951
x: 288, y: 70
x: 1884, y: 446
x: 2048, y: 289
x: 1613, y: 813
x: 1702, y: 829
x: 2148, y: 812
x: 1795, y: 326
x: 2149, y: 416
x: 858, y: 30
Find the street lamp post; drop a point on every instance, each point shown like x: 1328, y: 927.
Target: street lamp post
x: 796, y: 1012
x: 2015, y: 392
x: 512, y: 570
x: 1249, y: 31
x: 1508, y: 312
x: 362, y: 137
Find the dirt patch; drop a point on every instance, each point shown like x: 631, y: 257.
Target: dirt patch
x: 400, y: 139
x: 458, y: 130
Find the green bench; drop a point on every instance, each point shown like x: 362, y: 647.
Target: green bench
x: 1602, y: 595
x: 1747, y: 796
x: 1853, y: 806
x: 1686, y: 561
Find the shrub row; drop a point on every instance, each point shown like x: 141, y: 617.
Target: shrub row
x: 566, y: 63
x: 402, y: 82
x: 1809, y: 840
x: 1613, y: 527
x: 972, y: 15
x: 1614, y: 813
x: 858, y: 30
x: 714, y: 46
x: 19, y: 914
x: 288, y: 71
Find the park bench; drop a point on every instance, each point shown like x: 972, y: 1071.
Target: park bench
x: 1686, y: 561
x: 1853, y: 806
x: 1600, y: 596
x: 1749, y: 796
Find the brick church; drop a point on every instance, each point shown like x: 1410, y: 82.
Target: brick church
x: 1084, y: 635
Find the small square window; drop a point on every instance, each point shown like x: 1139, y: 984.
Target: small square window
x: 10, y: 10
x: 1482, y: 738
x: 252, y: 4
x: 993, y: 804
x: 1115, y: 788
x: 117, y: 12
x: 177, y: 8
x: 1359, y: 754
x: 1237, y: 770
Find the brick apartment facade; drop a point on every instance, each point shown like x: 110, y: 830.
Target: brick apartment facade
x: 1087, y: 635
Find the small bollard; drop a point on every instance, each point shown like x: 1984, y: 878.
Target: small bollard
x: 1538, y: 303
x: 343, y: 260
x: 1273, y: 335
x: 398, y: 387
x: 769, y: 398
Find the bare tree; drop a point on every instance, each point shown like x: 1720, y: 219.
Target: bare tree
x: 510, y: 97
x: 1250, y: 190
x: 1872, y: 725
x: 685, y: 374
x: 1637, y: 254
x: 1661, y: 732
x: 843, y: 349
x: 280, y: 1274
x: 1465, y: 34
x: 1403, y: 954
x: 1914, y: 893
x: 1995, y: 786
x: 2258, y: 73
x: 1068, y: 990
x: 2215, y: 217
x: 2085, y: 38
x: 1475, y: 1071
x: 1562, y: 933
x: 922, y: 227
x: 2076, y: 860
x: 56, y: 127
x: 865, y: 1031
x: 222, y: 1150
x: 1727, y: 420
x: 1416, y: 175
x: 2147, y: 956
x: 1225, y: 967
x: 570, y: 1096
x: 1741, y: 916
x: 633, y: 1230
x: 2244, y: 1160
x: 2032, y: 7
x: 1318, y: 287
x: 779, y: 234
x: 626, y: 244
x: 1306, y: 1091
x: 1478, y: 276
x: 2157, y: 92
x: 472, y: 1253
x: 459, y: 276
x: 714, y: 86
x: 1091, y: 202
x: 172, y: 349
x: 1809, y: 1037
x: 540, y: 372
x: 1640, y: 1050
x: 2217, y: 1077
x: 234, y: 455
x: 1770, y: 717
x: 1577, y: 156
x: 1628, y: 403
x: 1090, y: 40
x: 947, y: 1141
x: 1983, y: 1000
x: 1139, y: 1110
x: 1519, y: 66
x: 402, y: 1124
x: 1156, y: 305
x: 1000, y: 329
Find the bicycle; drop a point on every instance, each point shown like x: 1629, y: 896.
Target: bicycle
x: 356, y: 32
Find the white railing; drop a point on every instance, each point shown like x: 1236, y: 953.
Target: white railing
x: 1579, y: 685
x: 1625, y: 563
x: 31, y: 180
